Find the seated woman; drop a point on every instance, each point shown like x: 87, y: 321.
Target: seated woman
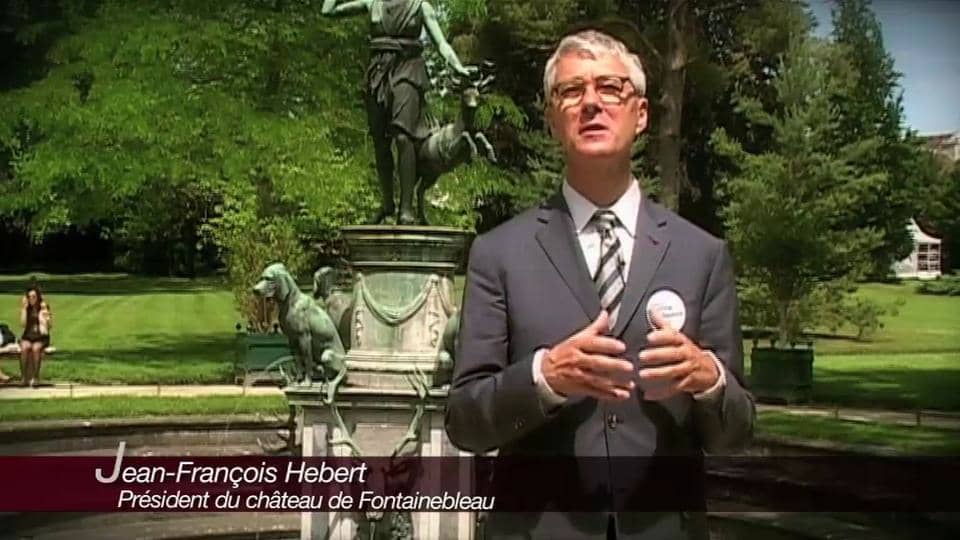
x: 8, y: 343
x: 37, y: 322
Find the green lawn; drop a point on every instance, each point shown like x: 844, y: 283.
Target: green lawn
x: 116, y: 328
x: 924, y: 323
x: 894, y: 381
x: 909, y: 440
x: 914, y: 361
x: 926, y: 380
x: 130, y: 406
x: 124, y: 329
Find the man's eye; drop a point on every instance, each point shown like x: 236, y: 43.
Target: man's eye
x: 571, y: 91
x: 610, y: 88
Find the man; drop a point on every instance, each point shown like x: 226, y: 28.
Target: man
x: 600, y: 324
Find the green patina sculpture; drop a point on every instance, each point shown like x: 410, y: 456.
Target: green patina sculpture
x: 337, y: 303
x: 313, y: 336
x: 396, y: 83
x: 452, y: 144
x: 395, y: 310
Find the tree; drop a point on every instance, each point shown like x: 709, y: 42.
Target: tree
x: 689, y: 52
x: 252, y: 228
x: 672, y: 67
x: 785, y: 204
x: 730, y: 46
x: 713, y: 48
x: 143, y: 115
x: 147, y: 113
x: 150, y: 111
x: 941, y: 205
x: 873, y: 109
x: 517, y: 36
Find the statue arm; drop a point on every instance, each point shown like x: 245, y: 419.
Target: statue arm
x: 436, y: 34
x: 330, y: 9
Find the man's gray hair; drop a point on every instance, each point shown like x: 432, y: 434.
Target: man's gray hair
x: 595, y: 43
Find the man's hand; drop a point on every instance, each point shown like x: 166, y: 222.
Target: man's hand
x: 673, y: 363
x: 583, y: 365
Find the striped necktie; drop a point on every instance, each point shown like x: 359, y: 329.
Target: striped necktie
x: 609, y: 277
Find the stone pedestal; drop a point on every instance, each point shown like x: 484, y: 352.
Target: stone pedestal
x: 402, y: 302
x: 398, y: 321
x: 377, y: 420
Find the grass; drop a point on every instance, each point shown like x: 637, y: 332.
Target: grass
x: 134, y: 330
x: 114, y: 328
x: 914, y: 361
x: 907, y: 440
x: 923, y: 323
x: 893, y: 381
x: 898, y: 381
x: 131, y: 406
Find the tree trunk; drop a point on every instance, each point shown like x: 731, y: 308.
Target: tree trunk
x: 783, y: 322
x: 671, y: 102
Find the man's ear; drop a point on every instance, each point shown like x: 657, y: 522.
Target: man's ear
x: 642, y: 116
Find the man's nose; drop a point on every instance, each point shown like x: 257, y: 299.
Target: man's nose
x: 590, y: 103
x: 590, y: 96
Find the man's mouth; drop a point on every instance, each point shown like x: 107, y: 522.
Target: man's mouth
x: 592, y: 128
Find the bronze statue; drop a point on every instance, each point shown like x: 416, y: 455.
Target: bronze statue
x: 313, y: 336
x: 397, y: 82
x: 449, y: 145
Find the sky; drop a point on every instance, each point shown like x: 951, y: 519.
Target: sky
x: 923, y: 36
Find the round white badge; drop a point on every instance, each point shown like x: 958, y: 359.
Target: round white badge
x: 669, y: 305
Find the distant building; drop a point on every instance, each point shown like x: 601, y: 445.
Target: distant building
x: 944, y: 144
x: 924, y: 260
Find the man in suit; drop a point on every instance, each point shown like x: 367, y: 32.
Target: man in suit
x: 599, y: 324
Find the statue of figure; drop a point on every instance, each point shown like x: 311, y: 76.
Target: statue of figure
x: 397, y: 82
x: 313, y: 336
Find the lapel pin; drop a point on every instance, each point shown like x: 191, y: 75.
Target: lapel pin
x: 669, y: 305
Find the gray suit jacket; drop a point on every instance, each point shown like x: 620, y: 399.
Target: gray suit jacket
x: 527, y: 288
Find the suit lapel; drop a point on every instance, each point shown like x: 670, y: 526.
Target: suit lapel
x: 560, y: 244
x: 649, y: 247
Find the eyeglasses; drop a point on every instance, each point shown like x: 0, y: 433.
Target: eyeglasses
x: 611, y: 89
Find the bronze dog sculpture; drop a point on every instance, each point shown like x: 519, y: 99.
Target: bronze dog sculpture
x: 312, y: 334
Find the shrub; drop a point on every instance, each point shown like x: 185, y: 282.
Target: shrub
x: 946, y: 285
x: 249, y: 241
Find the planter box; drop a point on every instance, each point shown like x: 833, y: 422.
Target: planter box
x: 781, y: 375
x: 254, y: 353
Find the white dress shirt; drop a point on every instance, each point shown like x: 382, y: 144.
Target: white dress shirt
x: 582, y: 211
x: 588, y: 236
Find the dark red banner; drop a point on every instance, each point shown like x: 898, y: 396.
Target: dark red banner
x: 197, y: 484
x: 282, y: 484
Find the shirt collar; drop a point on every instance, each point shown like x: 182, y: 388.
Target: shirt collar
x: 625, y: 208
